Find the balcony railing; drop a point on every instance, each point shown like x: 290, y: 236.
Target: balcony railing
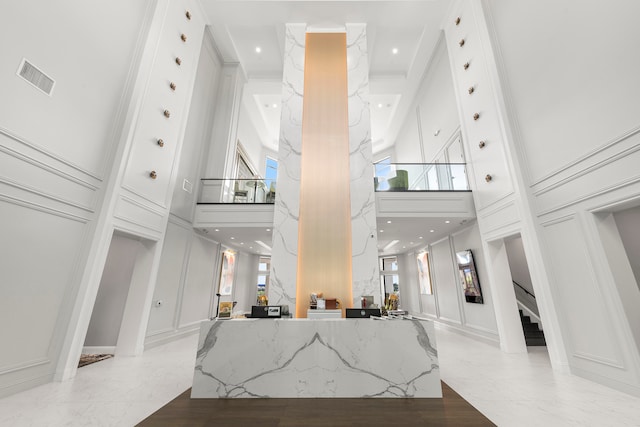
x: 230, y: 190
x: 389, y: 177
x: 421, y: 177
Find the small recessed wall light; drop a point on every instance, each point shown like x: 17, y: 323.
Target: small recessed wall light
x: 232, y: 238
x: 258, y: 49
x: 394, y: 50
x: 382, y: 231
x: 431, y: 231
x: 268, y: 229
x: 447, y: 222
x: 217, y: 229
x: 388, y: 222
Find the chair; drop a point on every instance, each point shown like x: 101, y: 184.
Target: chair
x: 271, y: 195
x: 240, y: 193
x: 400, y: 182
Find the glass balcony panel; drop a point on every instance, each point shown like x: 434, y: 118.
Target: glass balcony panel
x: 229, y: 190
x: 421, y: 177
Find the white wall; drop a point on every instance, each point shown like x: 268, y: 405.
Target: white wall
x: 571, y: 93
x: 54, y: 155
x: 245, y: 286
x: 250, y: 141
x: 188, y: 272
x: 106, y: 317
x: 447, y: 303
x: 434, y: 110
x: 628, y: 223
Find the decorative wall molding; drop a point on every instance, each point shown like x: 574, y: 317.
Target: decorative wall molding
x: 580, y: 163
x: 24, y: 365
x: 600, y: 360
x: 43, y: 208
x: 42, y: 195
x: 558, y: 220
x: 601, y: 192
x: 50, y: 156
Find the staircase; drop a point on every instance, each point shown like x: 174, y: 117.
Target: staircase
x: 533, y: 336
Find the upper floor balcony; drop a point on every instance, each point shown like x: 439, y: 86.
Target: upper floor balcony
x: 409, y: 198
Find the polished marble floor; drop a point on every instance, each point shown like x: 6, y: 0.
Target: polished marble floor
x: 511, y: 390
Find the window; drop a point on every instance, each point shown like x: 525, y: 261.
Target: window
x: 264, y: 265
x: 271, y: 172
x: 389, y: 279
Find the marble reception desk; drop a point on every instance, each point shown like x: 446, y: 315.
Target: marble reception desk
x: 284, y: 358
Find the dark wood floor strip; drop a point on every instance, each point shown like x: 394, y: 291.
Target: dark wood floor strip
x: 451, y: 410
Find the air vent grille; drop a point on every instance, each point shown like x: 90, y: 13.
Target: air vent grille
x: 37, y: 78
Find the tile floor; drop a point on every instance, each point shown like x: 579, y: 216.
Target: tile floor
x: 512, y: 390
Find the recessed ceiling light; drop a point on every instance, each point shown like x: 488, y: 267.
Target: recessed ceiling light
x: 447, y: 222
x: 217, y: 229
x: 242, y: 243
x: 394, y: 50
x: 382, y: 231
x: 258, y: 49
x: 274, y: 105
x: 268, y: 229
x: 404, y: 247
x: 232, y: 238
x: 431, y: 231
x: 411, y: 243
x: 420, y: 237
x: 380, y: 105
x: 250, y: 247
x: 388, y: 222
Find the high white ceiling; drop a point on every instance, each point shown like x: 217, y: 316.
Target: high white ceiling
x: 411, y: 27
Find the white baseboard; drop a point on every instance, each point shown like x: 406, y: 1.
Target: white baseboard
x: 99, y: 349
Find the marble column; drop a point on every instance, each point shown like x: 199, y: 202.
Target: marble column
x: 284, y: 254
x: 365, y: 271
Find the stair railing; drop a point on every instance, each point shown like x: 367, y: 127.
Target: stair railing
x: 527, y: 311
x: 523, y: 288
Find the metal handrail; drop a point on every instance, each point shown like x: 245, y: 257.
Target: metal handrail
x: 521, y: 287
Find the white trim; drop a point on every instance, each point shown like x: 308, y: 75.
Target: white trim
x: 99, y: 349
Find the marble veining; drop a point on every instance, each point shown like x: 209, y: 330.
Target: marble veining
x: 284, y: 253
x: 365, y: 270
x: 316, y: 358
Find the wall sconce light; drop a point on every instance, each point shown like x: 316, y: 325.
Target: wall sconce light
x: 488, y: 178
x: 471, y: 90
x: 476, y: 116
x: 458, y: 20
x: 466, y: 65
x: 167, y: 113
x: 178, y: 61
x: 183, y: 37
x: 172, y: 85
x: 482, y: 144
x: 160, y: 142
x: 461, y: 42
x: 188, y: 15
x: 153, y: 175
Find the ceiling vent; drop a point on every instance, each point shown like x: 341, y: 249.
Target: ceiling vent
x: 37, y: 78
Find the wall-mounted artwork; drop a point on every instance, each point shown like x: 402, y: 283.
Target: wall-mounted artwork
x: 469, y: 277
x: 227, y: 272
x: 424, y: 273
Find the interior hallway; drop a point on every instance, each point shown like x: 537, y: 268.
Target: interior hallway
x: 510, y: 389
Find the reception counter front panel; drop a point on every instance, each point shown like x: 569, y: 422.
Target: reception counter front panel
x: 316, y: 358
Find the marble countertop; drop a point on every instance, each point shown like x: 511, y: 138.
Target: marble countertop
x: 317, y: 358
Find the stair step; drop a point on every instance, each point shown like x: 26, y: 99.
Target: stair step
x: 530, y: 327
x: 535, y: 342
x: 533, y: 334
